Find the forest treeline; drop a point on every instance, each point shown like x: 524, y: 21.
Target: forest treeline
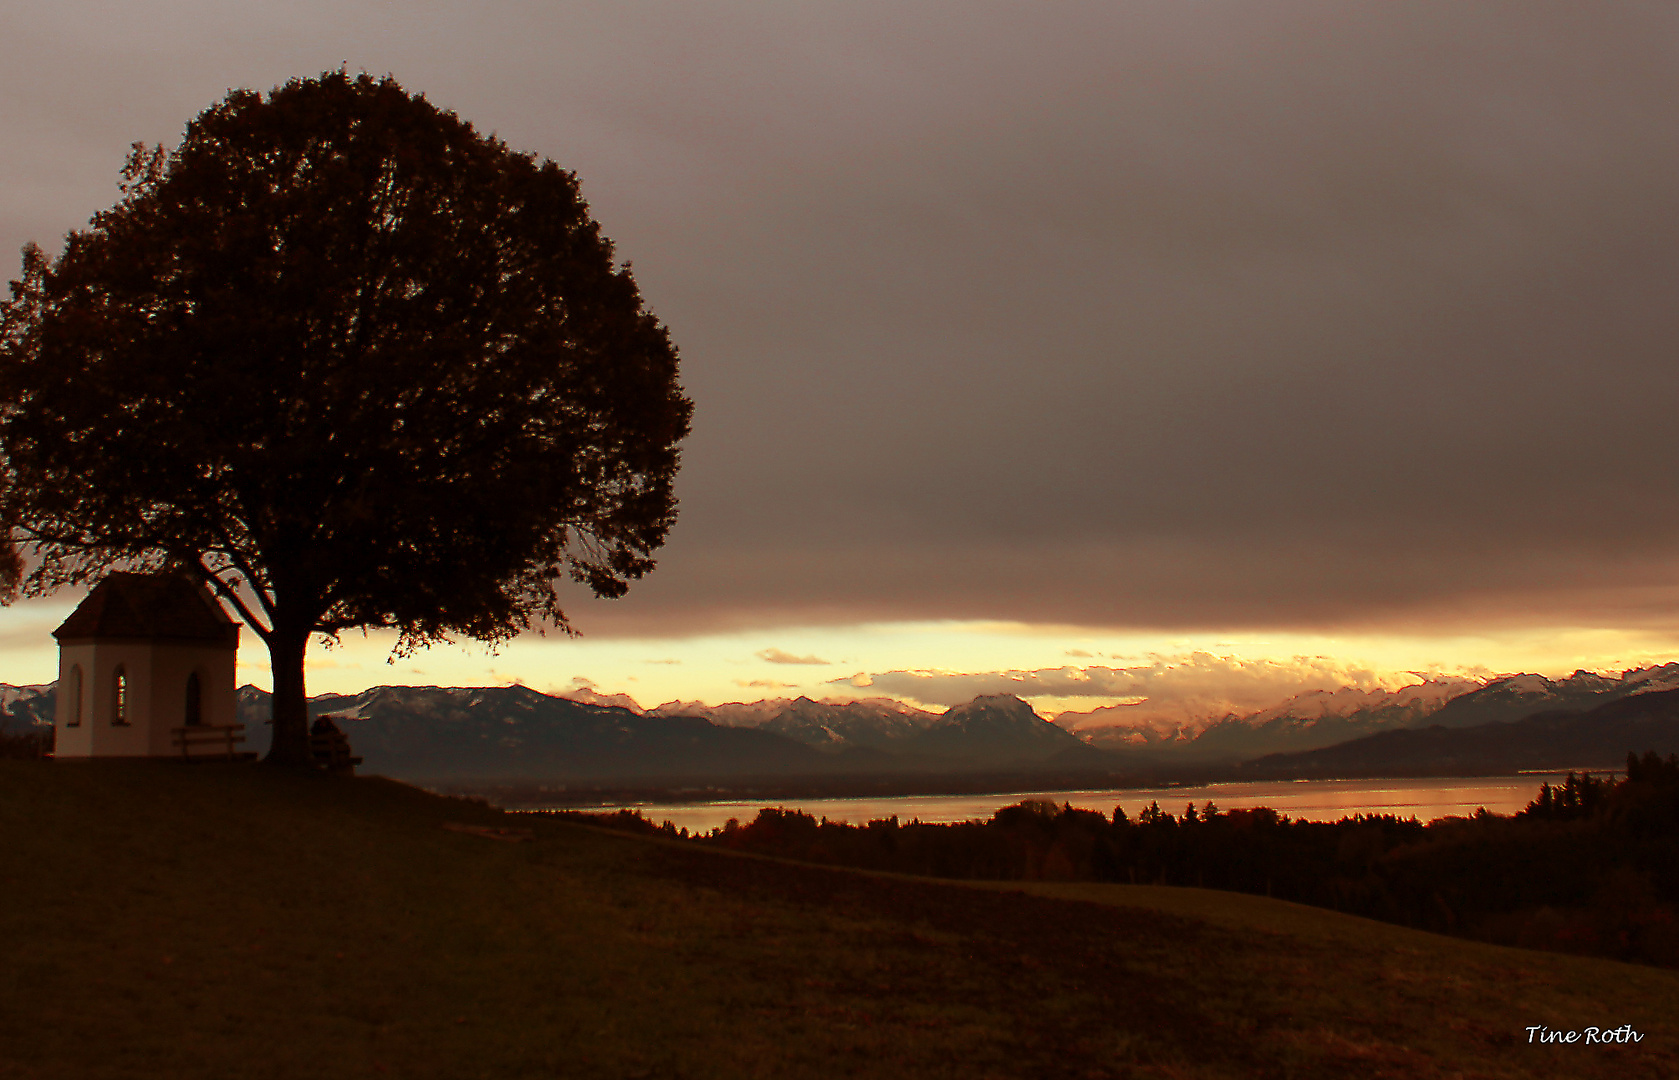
x: 25, y: 743
x: 1590, y: 866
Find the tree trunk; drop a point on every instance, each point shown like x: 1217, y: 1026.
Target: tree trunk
x: 286, y: 649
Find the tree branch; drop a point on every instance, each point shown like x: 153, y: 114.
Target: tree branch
x: 226, y: 592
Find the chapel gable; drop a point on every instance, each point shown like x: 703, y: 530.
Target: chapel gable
x: 146, y: 669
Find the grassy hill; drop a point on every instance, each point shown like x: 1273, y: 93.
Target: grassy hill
x: 224, y: 921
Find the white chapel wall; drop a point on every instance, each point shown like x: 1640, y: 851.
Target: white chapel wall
x: 106, y: 737
x: 70, y: 737
x: 157, y: 674
x: 172, y: 663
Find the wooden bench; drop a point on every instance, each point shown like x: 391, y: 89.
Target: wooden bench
x: 331, y: 748
x: 220, y: 738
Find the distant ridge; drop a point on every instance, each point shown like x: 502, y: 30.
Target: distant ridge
x: 992, y: 729
x: 986, y: 727
x: 1599, y: 738
x: 430, y: 732
x: 1309, y: 720
x: 26, y: 708
x: 1321, y: 719
x: 513, y: 731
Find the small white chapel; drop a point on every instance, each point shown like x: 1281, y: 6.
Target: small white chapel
x: 142, y: 657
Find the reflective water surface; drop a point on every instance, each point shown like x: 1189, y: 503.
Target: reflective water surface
x: 1313, y: 800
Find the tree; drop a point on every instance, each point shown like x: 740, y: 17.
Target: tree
x: 351, y: 364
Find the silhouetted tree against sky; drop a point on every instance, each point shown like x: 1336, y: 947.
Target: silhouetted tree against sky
x: 351, y: 363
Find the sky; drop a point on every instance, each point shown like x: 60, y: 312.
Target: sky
x: 1271, y: 346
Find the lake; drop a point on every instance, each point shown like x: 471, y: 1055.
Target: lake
x: 1313, y: 800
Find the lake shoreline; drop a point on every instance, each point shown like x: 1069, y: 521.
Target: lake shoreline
x: 1426, y: 799
x: 610, y: 794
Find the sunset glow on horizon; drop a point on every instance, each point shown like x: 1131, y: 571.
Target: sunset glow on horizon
x: 931, y: 665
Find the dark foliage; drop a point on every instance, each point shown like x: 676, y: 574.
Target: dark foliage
x: 1580, y: 796
x: 28, y: 744
x: 1602, y: 880
x: 352, y: 364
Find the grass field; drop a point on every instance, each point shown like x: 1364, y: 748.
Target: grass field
x: 160, y: 920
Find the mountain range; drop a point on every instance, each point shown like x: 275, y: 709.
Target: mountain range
x: 513, y: 731
x: 1323, y: 718
x: 1598, y: 737
x: 497, y: 733
x: 26, y: 708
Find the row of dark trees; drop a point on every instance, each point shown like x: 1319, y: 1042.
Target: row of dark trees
x: 28, y: 744
x: 1590, y: 866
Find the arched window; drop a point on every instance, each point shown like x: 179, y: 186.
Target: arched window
x: 119, y: 696
x: 195, y: 700
x: 75, y: 689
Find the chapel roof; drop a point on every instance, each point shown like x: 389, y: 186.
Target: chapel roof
x: 167, y: 606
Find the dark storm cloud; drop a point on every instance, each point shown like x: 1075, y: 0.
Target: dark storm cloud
x: 1135, y: 314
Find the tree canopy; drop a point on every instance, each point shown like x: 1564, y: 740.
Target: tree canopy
x: 349, y: 362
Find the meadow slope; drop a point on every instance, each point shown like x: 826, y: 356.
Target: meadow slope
x: 230, y: 921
